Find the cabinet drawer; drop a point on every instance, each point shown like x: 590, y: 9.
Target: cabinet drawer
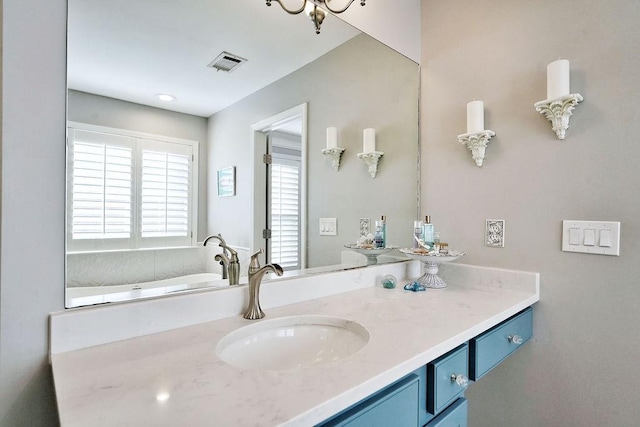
x: 442, y: 373
x: 454, y: 416
x: 492, y: 347
x: 394, y: 406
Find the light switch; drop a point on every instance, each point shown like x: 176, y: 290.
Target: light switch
x: 605, y: 239
x: 574, y: 236
x: 589, y: 237
x: 328, y: 227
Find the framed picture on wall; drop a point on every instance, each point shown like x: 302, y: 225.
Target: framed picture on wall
x: 227, y: 182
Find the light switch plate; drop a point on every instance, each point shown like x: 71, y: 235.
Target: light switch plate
x: 593, y: 237
x: 328, y: 227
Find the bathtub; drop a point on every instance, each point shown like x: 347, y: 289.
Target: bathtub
x: 90, y: 295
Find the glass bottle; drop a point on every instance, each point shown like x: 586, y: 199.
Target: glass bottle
x: 428, y: 232
x: 378, y: 238
x: 383, y: 220
x: 417, y: 233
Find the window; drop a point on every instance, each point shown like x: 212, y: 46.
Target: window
x: 128, y: 190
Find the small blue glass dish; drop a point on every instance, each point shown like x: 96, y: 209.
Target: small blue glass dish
x: 415, y: 287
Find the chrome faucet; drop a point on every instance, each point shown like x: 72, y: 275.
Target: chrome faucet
x: 228, y: 260
x: 255, y: 278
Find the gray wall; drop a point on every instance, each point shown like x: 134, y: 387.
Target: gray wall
x: 582, y: 367
x: 103, y: 111
x: 358, y: 85
x: 32, y: 247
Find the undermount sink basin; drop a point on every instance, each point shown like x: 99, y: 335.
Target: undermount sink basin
x: 292, y: 342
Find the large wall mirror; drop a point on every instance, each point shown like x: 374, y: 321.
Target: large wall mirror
x: 150, y: 179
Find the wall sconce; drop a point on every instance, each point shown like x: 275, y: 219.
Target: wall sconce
x: 333, y: 151
x: 560, y: 102
x: 370, y: 156
x: 476, y: 138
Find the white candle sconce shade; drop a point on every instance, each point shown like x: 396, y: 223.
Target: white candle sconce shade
x: 477, y: 137
x: 333, y: 151
x: 370, y: 156
x: 477, y: 142
x: 371, y: 159
x: 335, y: 154
x: 558, y: 111
x: 369, y: 140
x: 560, y: 102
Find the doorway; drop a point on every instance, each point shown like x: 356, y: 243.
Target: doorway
x: 279, y: 223
x: 283, y: 210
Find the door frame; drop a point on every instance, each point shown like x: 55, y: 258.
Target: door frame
x: 258, y: 148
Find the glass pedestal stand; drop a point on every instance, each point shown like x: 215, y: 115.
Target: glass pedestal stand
x: 430, y: 277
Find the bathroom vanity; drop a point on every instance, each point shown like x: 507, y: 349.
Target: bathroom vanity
x: 421, y: 347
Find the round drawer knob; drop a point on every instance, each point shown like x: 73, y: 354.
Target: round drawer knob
x: 516, y: 339
x: 460, y: 379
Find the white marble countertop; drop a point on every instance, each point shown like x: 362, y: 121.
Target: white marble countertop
x: 174, y: 378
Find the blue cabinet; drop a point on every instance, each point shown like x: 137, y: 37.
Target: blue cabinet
x: 433, y: 395
x: 396, y: 405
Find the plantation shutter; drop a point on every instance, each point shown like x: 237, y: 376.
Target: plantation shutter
x: 285, y: 212
x: 127, y: 190
x: 165, y: 191
x: 101, y: 186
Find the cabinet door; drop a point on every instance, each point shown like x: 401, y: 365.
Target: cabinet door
x: 395, y: 406
x: 454, y: 416
x: 447, y: 379
x: 487, y: 350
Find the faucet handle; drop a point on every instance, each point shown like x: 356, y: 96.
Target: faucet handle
x: 254, y: 264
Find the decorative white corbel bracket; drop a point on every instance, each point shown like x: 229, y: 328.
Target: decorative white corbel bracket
x: 558, y: 111
x: 477, y: 142
x: 371, y: 159
x: 334, y: 154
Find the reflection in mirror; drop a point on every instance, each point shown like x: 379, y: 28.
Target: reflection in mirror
x: 142, y: 173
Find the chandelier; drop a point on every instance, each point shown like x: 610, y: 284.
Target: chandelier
x: 314, y: 9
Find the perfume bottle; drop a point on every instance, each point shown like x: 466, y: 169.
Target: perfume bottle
x: 378, y: 238
x: 383, y: 219
x: 428, y: 232
x: 436, y: 242
x: 417, y: 233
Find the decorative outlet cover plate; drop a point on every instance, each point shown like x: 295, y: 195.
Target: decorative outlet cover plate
x: 494, y: 233
x: 365, y: 226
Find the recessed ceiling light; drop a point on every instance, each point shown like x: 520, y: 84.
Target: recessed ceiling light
x: 166, y: 97
x: 162, y: 397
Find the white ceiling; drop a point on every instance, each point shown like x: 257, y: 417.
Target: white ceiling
x: 134, y: 50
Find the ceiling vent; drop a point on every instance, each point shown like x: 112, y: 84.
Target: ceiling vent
x: 226, y: 62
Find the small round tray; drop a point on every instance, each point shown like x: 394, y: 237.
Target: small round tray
x: 369, y: 251
x: 450, y: 256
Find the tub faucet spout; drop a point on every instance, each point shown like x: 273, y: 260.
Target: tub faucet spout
x: 228, y: 259
x: 255, y: 278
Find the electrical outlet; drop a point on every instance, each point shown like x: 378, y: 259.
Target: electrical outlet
x: 494, y: 233
x: 365, y: 226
